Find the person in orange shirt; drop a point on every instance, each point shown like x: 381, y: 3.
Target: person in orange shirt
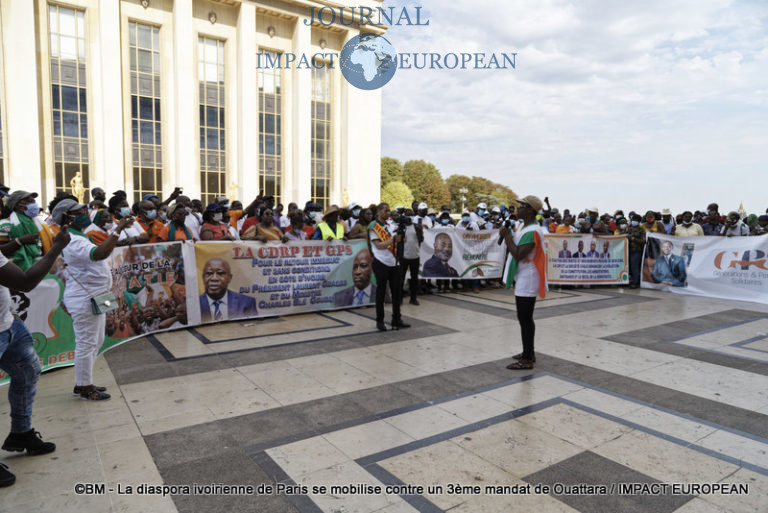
x: 175, y: 229
x: 567, y: 226
x: 100, y: 228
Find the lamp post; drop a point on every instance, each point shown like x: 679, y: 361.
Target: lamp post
x: 463, y: 191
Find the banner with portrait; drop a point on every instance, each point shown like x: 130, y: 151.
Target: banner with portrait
x: 587, y: 259
x: 148, y: 282
x: 251, y: 279
x: 453, y: 254
x: 725, y: 267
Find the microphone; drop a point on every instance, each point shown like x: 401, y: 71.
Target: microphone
x: 507, y: 224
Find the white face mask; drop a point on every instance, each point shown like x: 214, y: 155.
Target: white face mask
x: 109, y: 226
x: 218, y: 217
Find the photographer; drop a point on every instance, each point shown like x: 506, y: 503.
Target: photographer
x: 385, y: 267
x: 414, y: 236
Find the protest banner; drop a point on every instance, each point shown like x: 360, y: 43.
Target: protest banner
x: 451, y: 253
x: 724, y: 267
x: 587, y: 259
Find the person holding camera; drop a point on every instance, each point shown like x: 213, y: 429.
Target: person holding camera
x: 414, y: 236
x: 384, y: 245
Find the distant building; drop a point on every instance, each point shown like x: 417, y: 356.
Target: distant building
x: 145, y: 95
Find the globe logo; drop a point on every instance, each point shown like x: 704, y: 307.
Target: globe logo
x: 368, y: 61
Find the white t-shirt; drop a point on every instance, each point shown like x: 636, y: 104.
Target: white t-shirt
x: 134, y: 230
x: 738, y: 230
x: 425, y: 221
x: 193, y: 223
x: 6, y: 319
x: 411, y: 245
x: 93, y: 275
x: 471, y: 226
x: 527, y: 277
x: 385, y: 256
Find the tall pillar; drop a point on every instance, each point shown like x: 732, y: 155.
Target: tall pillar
x: 22, y: 132
x: 186, y: 154
x: 107, y: 170
x: 248, y: 112
x: 301, y: 122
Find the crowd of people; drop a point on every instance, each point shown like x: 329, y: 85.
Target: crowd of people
x: 85, y: 235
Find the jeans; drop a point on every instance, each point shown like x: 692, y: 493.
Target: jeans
x: 387, y: 275
x: 411, y: 265
x: 19, y: 360
x: 524, y: 306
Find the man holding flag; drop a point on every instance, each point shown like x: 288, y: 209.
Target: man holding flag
x: 526, y: 266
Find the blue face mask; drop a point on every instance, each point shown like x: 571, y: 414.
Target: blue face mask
x: 151, y: 214
x: 465, y: 219
x: 481, y: 212
x: 432, y: 217
x: 125, y: 211
x: 445, y: 221
x: 634, y: 223
x: 32, y: 210
x: 356, y: 212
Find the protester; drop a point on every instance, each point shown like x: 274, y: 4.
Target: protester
x: 330, y: 228
x: 87, y: 276
x: 17, y: 355
x: 23, y: 226
x: 295, y: 229
x: 101, y: 226
x: 687, y: 228
x: 734, y: 226
x: 176, y: 228
x: 385, y: 267
x: 214, y: 227
x: 265, y: 230
x: 526, y: 265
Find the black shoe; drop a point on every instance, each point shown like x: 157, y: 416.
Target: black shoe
x: 396, y: 325
x: 414, y: 301
x: 78, y: 390
x: 381, y: 326
x: 6, y: 477
x: 31, y: 441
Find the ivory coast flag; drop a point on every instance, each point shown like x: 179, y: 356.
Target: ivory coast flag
x: 539, y: 257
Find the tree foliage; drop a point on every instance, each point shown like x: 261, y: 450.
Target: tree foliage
x: 397, y: 194
x: 478, y: 190
x: 391, y: 170
x: 427, y: 184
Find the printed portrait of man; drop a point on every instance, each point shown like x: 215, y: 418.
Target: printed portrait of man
x: 218, y: 303
x: 362, y: 292
x: 580, y: 252
x: 437, y: 266
x: 564, y: 253
x: 593, y: 250
x: 669, y: 269
x: 606, y: 253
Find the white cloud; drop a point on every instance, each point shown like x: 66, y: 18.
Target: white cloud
x: 629, y: 105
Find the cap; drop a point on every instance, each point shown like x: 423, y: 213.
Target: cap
x: 666, y: 212
x: 430, y: 211
x: 63, y: 207
x: 593, y: 209
x: 482, y: 205
x: 311, y: 205
x: 496, y: 210
x: 213, y: 207
x: 533, y: 201
x: 352, y: 206
x: 149, y: 195
x: 17, y: 196
x: 330, y: 210
x: 173, y: 208
x: 422, y: 206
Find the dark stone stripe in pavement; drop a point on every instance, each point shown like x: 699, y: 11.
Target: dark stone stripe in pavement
x: 663, y: 338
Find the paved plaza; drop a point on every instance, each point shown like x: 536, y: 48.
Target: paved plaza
x: 640, y: 401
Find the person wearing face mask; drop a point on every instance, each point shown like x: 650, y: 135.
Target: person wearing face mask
x: 175, y: 229
x: 23, y: 227
x: 636, y: 239
x: 476, y: 216
x: 467, y: 223
x: 144, y: 228
x: 651, y: 224
x: 295, y: 229
x: 712, y: 225
x: 360, y: 230
x: 87, y: 275
x: 355, y: 210
x: 100, y: 228
x: 734, y: 226
x: 687, y: 228
x: 193, y: 221
x: 214, y: 227
x: 331, y: 228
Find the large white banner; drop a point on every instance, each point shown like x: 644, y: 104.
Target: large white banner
x: 452, y: 253
x: 724, y: 267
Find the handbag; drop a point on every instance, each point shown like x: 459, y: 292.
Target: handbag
x: 100, y: 303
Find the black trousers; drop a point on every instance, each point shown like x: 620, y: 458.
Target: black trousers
x: 525, y: 307
x: 411, y: 265
x: 386, y: 275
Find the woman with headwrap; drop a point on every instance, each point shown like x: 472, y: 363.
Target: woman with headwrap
x: 101, y: 227
x: 176, y: 229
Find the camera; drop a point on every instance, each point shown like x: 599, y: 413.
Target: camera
x: 403, y: 222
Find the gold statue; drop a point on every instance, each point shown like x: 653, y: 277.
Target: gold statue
x: 345, y: 198
x: 76, y: 184
x: 233, y: 188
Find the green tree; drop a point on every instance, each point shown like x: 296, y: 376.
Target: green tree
x: 397, y: 194
x: 391, y: 170
x: 479, y: 190
x: 424, y: 179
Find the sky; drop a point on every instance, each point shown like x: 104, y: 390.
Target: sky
x: 632, y: 105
